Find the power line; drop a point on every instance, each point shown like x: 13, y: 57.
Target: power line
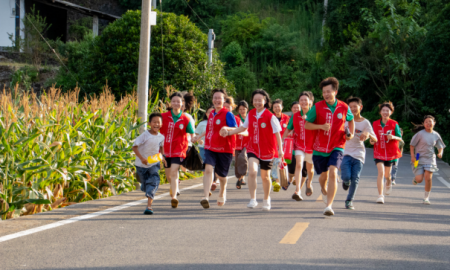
x: 196, y: 14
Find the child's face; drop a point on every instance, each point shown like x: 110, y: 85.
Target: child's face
x: 259, y: 101
x: 295, y: 108
x: 304, y: 102
x: 386, y: 112
x: 242, y: 110
x: 277, y: 108
x: 155, y: 124
x: 227, y: 106
x: 428, y: 123
x: 176, y: 103
x: 355, y: 108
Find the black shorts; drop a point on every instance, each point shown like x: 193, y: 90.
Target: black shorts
x: 265, y: 165
x: 389, y: 163
x: 220, y: 161
x: 321, y: 163
x: 174, y: 160
x: 291, y: 167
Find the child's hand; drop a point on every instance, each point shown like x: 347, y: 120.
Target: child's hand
x: 372, y: 142
x: 164, y: 161
x: 439, y: 155
x: 413, y: 159
x: 201, y: 142
x: 389, y: 137
x: 363, y: 136
x: 144, y: 161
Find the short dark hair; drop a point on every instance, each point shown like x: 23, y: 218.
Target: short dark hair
x: 206, y: 117
x: 305, y: 93
x: 294, y: 103
x: 189, y: 100
x: 220, y: 90
x: 277, y: 101
x: 176, y: 94
x: 330, y: 81
x: 416, y: 128
x: 387, y: 104
x: 354, y: 99
x: 265, y: 95
x: 153, y: 115
x: 243, y: 103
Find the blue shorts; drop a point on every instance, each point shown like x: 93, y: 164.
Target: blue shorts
x: 321, y: 164
x: 220, y: 161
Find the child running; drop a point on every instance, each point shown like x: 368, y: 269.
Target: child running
x: 218, y: 150
x: 355, y: 151
x: 303, y: 144
x: 175, y: 128
x: 401, y: 145
x: 328, y: 118
x: 200, y: 129
x: 386, y: 150
x: 295, y: 107
x: 277, y: 108
x: 240, y: 154
x: 423, y: 143
x: 264, y: 132
x: 146, y: 145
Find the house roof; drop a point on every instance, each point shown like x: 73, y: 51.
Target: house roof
x: 80, y: 9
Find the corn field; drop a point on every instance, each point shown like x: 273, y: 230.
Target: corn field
x: 57, y: 151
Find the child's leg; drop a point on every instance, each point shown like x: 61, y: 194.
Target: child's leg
x: 173, y: 172
x: 380, y: 178
x: 357, y: 166
x: 266, y: 183
x: 274, y: 172
x: 152, y: 183
x: 310, y: 172
x: 207, y: 180
x: 387, y: 175
x: 428, y: 181
x: 298, y: 172
x: 252, y: 175
x: 394, y: 171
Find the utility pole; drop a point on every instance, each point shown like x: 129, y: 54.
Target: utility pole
x: 144, y: 60
x: 211, y: 38
x: 325, y: 8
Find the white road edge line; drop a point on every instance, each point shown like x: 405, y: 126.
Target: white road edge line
x: 443, y: 181
x: 87, y: 216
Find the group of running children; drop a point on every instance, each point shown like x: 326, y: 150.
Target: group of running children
x: 328, y: 136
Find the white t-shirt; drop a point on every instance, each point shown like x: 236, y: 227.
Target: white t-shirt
x: 355, y: 148
x: 200, y: 129
x: 191, y: 119
x: 276, y: 127
x: 148, y: 145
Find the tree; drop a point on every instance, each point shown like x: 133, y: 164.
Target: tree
x: 178, y: 57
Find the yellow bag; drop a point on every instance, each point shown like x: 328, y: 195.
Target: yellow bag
x: 155, y: 158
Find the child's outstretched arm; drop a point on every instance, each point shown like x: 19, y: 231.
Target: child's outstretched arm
x: 411, y: 150
x: 138, y: 154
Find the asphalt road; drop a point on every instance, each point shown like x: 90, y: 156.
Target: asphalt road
x: 401, y: 234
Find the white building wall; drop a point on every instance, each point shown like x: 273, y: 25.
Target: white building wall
x: 7, y: 21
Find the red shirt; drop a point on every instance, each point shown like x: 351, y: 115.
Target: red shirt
x: 241, y: 141
x: 262, y: 141
x: 213, y: 141
x: 303, y: 138
x: 384, y: 150
x: 175, y: 136
x: 326, y: 141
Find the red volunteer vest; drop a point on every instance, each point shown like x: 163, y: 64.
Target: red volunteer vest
x: 241, y: 141
x: 326, y: 141
x: 303, y: 138
x: 175, y: 136
x: 262, y: 142
x: 382, y: 149
x: 284, y: 121
x: 213, y: 141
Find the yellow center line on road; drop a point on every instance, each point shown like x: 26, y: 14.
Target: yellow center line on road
x: 319, y: 199
x: 294, y: 234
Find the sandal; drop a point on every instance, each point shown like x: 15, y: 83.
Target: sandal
x: 174, y: 203
x: 213, y: 186
x: 285, y: 188
x: 238, y: 184
x: 309, y: 191
x: 243, y: 183
x: 205, y: 203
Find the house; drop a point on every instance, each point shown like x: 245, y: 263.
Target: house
x: 60, y: 14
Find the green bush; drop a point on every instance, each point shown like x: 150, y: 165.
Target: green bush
x: 232, y: 54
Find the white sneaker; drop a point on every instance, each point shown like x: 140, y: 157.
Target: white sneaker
x: 380, y: 199
x: 252, y: 204
x: 388, y: 190
x: 328, y: 211
x: 426, y: 201
x: 266, y: 205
